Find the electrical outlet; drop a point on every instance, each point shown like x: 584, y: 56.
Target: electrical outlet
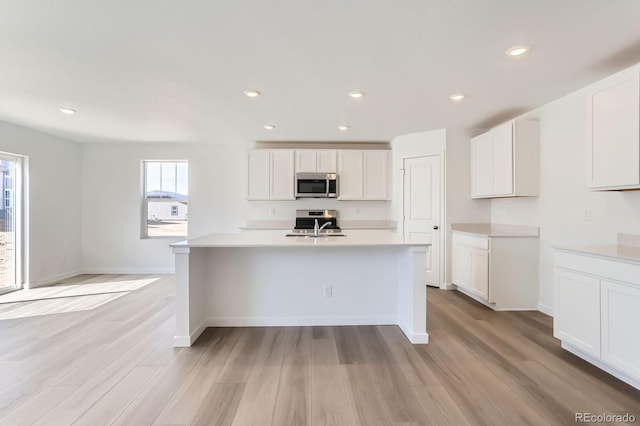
x: 586, y: 215
x: 272, y: 210
x: 327, y: 290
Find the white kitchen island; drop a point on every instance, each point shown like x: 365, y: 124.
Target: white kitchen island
x: 258, y: 279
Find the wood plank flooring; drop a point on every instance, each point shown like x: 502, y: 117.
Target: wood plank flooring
x: 97, y: 350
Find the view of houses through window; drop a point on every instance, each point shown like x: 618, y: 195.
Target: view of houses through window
x: 166, y: 194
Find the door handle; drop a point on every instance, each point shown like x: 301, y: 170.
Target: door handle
x: 436, y: 227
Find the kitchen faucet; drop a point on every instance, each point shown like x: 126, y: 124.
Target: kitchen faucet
x: 316, y: 229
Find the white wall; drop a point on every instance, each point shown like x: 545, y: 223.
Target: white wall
x: 564, y: 196
x: 453, y: 145
x: 53, y: 201
x: 111, y: 202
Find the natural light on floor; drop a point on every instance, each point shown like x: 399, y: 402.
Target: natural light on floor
x: 66, y: 297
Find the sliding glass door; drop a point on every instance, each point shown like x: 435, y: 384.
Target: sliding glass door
x: 10, y: 222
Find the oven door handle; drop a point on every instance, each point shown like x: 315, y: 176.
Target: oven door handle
x: 327, y: 187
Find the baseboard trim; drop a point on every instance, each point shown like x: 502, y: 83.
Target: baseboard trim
x: 127, y: 271
x: 298, y: 321
x: 601, y: 365
x: 414, y: 338
x: 52, y: 279
x: 448, y: 286
x: 187, y: 341
x: 545, y: 309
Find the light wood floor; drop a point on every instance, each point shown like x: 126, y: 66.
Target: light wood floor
x: 87, y: 357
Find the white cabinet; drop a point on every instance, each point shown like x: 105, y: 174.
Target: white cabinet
x: 470, y: 268
x: 316, y: 161
x: 620, y: 318
x: 597, y: 311
x: 613, y: 132
x: 364, y: 174
x: 505, y: 161
x: 577, y: 318
x: 270, y: 174
x: 501, y: 273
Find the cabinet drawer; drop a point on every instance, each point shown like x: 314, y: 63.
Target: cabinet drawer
x: 469, y: 240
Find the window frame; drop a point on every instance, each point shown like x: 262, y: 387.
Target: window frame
x: 144, y: 228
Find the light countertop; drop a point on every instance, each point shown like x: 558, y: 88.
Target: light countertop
x: 612, y: 251
x: 628, y: 248
x: 494, y: 230
x: 259, y: 239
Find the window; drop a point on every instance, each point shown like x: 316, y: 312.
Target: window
x: 11, y: 222
x: 165, y: 198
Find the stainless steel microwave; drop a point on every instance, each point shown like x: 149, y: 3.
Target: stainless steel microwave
x: 316, y: 185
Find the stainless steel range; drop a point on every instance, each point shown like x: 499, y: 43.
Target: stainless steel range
x: 316, y: 223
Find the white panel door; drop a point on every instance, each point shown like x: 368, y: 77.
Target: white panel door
x: 620, y: 319
x: 421, y: 207
x: 577, y: 311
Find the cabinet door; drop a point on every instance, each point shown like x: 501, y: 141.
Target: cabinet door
x: 376, y: 175
x: 350, y: 174
x: 480, y: 272
x: 503, y: 160
x: 461, y: 266
x: 305, y: 160
x: 482, y: 165
x: 282, y: 175
x: 613, y: 140
x: 258, y: 175
x: 620, y: 319
x: 326, y: 161
x: 577, y: 311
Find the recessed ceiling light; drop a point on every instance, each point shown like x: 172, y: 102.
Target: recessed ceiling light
x: 252, y: 93
x: 269, y: 126
x: 67, y: 111
x: 519, y: 50
x: 343, y: 128
x: 356, y: 94
x: 457, y: 97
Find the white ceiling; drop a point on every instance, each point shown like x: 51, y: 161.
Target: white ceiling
x: 175, y: 70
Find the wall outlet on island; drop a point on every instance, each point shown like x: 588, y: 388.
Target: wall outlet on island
x: 326, y: 290
x: 586, y: 215
x: 272, y: 211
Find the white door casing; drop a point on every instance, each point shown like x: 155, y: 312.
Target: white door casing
x: 421, y: 208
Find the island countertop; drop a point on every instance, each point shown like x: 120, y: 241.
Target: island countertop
x: 257, y: 239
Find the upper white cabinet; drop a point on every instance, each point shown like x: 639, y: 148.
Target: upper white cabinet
x: 364, y: 174
x: 613, y: 132
x: 505, y: 161
x: 316, y: 161
x: 270, y: 174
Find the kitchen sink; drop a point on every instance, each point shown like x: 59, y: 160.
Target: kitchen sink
x: 322, y: 235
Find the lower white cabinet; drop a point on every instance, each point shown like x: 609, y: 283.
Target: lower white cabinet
x: 577, y: 318
x: 502, y: 273
x: 597, y: 311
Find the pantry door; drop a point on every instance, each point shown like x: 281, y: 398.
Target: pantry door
x: 421, y: 208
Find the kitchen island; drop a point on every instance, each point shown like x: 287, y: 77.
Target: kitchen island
x: 258, y: 279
